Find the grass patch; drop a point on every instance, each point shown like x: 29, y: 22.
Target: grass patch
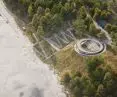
x: 68, y: 59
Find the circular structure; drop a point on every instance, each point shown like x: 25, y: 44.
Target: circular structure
x: 89, y: 47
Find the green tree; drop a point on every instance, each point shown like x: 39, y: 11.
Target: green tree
x: 80, y: 27
x: 98, y: 75
x: 66, y: 78
x: 82, y: 12
x: 101, y: 91
x: 102, y: 36
x: 40, y: 31
x: 93, y: 30
x: 30, y: 10
x: 94, y: 62
x: 89, y: 90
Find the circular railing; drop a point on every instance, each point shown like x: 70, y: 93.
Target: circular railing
x: 89, y: 47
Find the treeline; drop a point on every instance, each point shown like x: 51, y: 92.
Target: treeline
x: 98, y: 81
x: 51, y: 16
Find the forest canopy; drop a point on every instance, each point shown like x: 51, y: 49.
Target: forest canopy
x: 52, y: 16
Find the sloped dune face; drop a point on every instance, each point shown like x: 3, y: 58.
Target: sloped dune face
x: 22, y: 74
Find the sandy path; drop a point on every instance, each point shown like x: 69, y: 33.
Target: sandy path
x: 22, y: 74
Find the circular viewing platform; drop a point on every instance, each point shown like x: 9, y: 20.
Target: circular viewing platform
x: 89, y: 47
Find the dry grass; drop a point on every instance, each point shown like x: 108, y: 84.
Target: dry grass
x: 111, y: 60
x: 68, y: 59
